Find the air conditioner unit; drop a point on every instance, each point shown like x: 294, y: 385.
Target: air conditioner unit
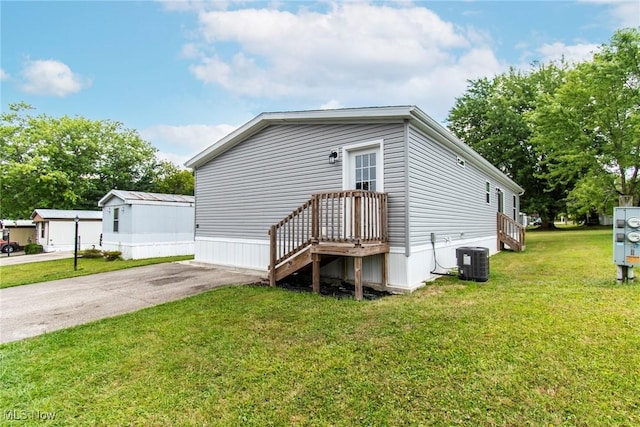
x: 473, y: 263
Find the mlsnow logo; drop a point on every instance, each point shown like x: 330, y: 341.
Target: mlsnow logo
x: 23, y: 415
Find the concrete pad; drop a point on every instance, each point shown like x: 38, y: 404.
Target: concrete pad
x: 31, y: 310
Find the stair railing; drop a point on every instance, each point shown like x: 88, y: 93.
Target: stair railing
x: 352, y: 216
x: 510, y: 232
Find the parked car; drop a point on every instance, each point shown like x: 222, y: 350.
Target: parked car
x: 8, y: 247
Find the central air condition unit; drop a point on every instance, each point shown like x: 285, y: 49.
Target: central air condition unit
x: 473, y: 263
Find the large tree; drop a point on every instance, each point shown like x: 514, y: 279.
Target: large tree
x: 173, y: 180
x: 67, y: 162
x: 591, y: 126
x: 491, y: 117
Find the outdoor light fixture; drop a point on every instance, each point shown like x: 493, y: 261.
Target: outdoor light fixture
x: 332, y: 157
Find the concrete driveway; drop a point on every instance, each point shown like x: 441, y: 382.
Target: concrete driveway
x: 21, y: 258
x: 31, y: 310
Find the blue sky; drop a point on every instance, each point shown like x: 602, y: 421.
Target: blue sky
x: 185, y: 73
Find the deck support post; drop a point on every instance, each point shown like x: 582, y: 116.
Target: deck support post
x: 385, y: 269
x: 357, y: 265
x: 315, y: 268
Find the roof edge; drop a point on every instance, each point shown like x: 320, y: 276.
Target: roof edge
x: 265, y: 119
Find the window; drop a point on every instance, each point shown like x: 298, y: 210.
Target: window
x: 42, y: 230
x: 366, y: 172
x: 515, y: 207
x: 488, y: 195
x: 116, y: 219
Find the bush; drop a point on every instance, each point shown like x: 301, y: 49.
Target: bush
x: 91, y: 253
x: 33, y: 248
x: 112, y: 255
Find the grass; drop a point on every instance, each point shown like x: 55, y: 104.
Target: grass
x: 551, y: 339
x: 24, y: 274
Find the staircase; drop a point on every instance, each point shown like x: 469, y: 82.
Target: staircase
x: 510, y: 234
x: 345, y: 223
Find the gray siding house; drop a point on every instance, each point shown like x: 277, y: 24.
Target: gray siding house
x: 439, y: 195
x: 147, y: 225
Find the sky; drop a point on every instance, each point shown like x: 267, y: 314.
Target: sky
x: 186, y: 73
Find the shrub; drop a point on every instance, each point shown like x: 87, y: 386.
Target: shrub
x: 33, y: 248
x: 112, y: 255
x: 91, y: 253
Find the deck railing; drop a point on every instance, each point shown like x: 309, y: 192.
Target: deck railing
x: 352, y: 216
x: 511, y: 233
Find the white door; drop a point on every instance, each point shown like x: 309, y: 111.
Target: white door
x: 364, y: 172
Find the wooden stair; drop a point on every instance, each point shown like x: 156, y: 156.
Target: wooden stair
x: 327, y: 226
x: 293, y: 264
x: 510, y: 234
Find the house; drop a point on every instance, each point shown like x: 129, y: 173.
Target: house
x: 381, y: 196
x: 55, y: 229
x: 22, y: 231
x: 147, y: 225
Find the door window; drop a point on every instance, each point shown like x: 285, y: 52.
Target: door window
x: 366, y: 172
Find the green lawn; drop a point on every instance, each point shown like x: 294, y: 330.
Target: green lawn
x: 551, y: 339
x: 23, y: 274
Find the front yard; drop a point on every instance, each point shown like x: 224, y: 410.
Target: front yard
x: 551, y: 339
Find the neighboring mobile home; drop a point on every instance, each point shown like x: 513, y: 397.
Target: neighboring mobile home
x: 147, y: 225
x: 55, y: 229
x: 278, y: 193
x: 22, y: 231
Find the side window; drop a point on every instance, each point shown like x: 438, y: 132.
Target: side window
x: 116, y: 219
x: 488, y: 192
x: 42, y: 230
x: 515, y: 207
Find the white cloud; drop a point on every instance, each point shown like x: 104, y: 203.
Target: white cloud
x: 625, y: 13
x: 52, y: 78
x: 188, y: 138
x: 4, y: 75
x: 571, y: 53
x: 177, y: 159
x: 198, y: 5
x: 190, y: 51
x: 360, y: 53
x: 332, y: 104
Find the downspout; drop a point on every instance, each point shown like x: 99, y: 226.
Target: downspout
x: 195, y: 198
x: 407, y: 215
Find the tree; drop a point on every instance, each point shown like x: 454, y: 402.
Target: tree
x: 491, y: 117
x: 590, y: 196
x: 67, y: 162
x: 590, y: 127
x: 172, y: 180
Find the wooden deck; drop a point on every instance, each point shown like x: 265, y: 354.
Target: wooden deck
x: 336, y: 224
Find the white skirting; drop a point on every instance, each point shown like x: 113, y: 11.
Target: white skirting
x: 406, y: 273
x: 149, y: 250
x: 66, y: 248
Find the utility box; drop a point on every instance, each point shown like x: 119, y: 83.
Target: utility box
x: 626, y: 236
x: 473, y: 263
